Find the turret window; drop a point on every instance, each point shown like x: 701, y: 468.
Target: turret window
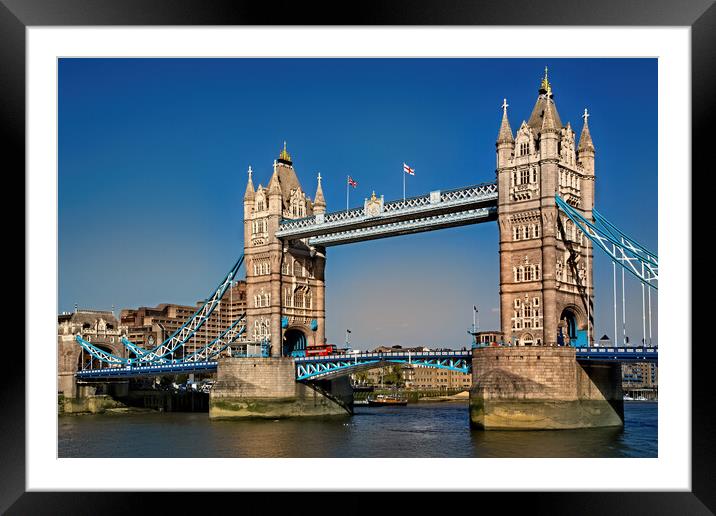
x: 525, y: 232
x: 258, y: 226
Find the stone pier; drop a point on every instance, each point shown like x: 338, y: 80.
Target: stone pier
x: 267, y: 388
x: 543, y: 388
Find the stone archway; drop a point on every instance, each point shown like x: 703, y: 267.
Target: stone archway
x: 294, y: 343
x: 571, y: 330
x: 527, y: 339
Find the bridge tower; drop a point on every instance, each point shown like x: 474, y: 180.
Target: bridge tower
x: 546, y: 287
x: 284, y: 280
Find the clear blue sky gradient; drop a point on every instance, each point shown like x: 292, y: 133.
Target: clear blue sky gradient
x: 153, y: 156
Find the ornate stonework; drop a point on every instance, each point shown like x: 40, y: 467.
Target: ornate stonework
x: 284, y: 280
x: 546, y: 275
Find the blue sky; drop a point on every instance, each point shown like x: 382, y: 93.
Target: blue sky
x: 153, y: 156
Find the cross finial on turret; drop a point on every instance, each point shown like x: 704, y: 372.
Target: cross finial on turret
x: 504, y: 105
x: 250, y: 172
x: 586, y: 115
x: 319, y: 178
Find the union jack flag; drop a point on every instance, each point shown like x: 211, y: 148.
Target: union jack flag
x: 352, y: 182
x: 408, y: 170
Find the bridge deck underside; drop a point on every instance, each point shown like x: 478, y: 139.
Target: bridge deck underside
x: 437, y: 210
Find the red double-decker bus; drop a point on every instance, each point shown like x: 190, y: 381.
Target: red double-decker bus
x: 317, y: 351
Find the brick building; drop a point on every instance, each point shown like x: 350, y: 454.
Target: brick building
x: 150, y: 326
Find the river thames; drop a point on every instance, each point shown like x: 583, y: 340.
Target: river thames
x: 424, y: 429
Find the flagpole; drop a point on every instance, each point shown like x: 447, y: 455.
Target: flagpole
x: 348, y: 186
x: 403, y: 182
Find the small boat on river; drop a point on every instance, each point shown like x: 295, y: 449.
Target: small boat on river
x: 383, y: 400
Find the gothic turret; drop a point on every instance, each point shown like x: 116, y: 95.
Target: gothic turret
x: 549, y: 132
x: 250, y: 193
x: 586, y: 147
x: 319, y: 204
x: 505, y: 141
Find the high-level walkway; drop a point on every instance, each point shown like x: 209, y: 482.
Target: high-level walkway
x: 379, y: 219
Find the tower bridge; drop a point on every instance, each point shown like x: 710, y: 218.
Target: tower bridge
x: 545, y: 374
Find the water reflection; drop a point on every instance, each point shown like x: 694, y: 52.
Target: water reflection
x: 418, y: 430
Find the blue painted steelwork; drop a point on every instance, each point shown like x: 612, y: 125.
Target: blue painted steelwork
x: 190, y: 327
x: 308, y: 368
x: 333, y: 366
x: 618, y: 354
x: 148, y: 370
x: 623, y: 250
x: 207, y: 352
x: 102, y: 355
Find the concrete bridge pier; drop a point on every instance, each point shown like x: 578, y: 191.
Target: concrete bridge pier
x: 543, y: 388
x: 267, y: 388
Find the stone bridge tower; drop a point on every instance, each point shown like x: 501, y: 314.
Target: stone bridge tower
x: 546, y: 286
x: 284, y: 280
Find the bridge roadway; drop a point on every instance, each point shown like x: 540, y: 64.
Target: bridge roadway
x: 379, y: 219
x: 331, y: 366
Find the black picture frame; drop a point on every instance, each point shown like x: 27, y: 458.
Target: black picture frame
x: 700, y: 15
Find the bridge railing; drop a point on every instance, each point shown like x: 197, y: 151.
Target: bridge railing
x: 336, y: 218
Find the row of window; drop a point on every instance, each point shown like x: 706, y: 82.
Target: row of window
x: 571, y: 232
x: 519, y: 323
x: 568, y: 178
x: 262, y: 267
x: 299, y: 299
x: 525, y: 176
x: 262, y: 300
x: 525, y: 232
x: 258, y: 226
x: 522, y: 149
x: 295, y: 268
x: 526, y: 272
x: 261, y: 329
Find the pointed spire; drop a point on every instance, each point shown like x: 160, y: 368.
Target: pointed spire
x: 585, y: 139
x: 505, y: 134
x: 545, y: 87
x: 319, y: 202
x: 249, y: 195
x: 548, y: 122
x: 274, y: 187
